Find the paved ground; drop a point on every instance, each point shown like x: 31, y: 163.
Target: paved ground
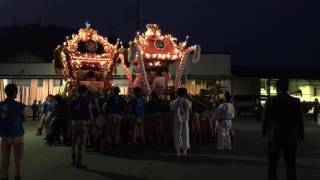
x: 247, y: 161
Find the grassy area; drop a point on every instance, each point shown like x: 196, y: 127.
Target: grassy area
x: 247, y: 161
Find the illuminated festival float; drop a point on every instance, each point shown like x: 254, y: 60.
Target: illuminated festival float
x: 152, y: 53
x: 89, y: 59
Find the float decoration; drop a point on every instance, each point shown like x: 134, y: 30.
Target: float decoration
x: 86, y: 58
x: 152, y: 53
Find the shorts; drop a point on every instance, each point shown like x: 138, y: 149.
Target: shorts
x: 78, y: 123
x: 131, y: 118
x: 14, y: 141
x: 138, y: 120
x: 101, y: 120
x: 153, y: 116
x: 196, y: 115
x: 114, y: 118
x: 79, y: 128
x: 134, y: 119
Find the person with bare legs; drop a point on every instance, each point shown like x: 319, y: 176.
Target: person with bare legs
x: 138, y: 109
x: 80, y: 121
x: 154, y: 129
x: 115, y: 105
x: 45, y: 114
x: 12, y: 114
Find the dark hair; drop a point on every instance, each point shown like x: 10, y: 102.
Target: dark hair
x: 58, y: 98
x: 11, y: 90
x: 227, y: 96
x: 182, y: 92
x: 137, y: 91
x: 172, y: 96
x: 82, y: 89
x: 159, y: 73
x: 282, y: 85
x: 154, y: 94
x: 116, y: 90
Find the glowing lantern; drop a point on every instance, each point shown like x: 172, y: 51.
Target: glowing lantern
x: 86, y: 58
x: 154, y: 52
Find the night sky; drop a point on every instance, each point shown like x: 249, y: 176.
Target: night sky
x: 256, y: 32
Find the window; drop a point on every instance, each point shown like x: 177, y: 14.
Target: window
x: 57, y: 83
x: 22, y: 82
x: 316, y: 91
x: 40, y: 82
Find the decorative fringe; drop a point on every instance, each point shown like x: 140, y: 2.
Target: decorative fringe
x: 180, y: 69
x: 181, y: 65
x: 145, y: 82
x: 196, y: 54
x: 133, y: 51
x: 126, y: 71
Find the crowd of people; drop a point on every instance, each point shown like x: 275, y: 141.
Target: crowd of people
x: 85, y: 119
x: 104, y: 122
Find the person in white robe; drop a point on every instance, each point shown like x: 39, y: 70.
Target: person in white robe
x: 225, y: 113
x: 159, y: 84
x: 181, y: 108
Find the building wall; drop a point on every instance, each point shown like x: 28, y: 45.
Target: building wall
x: 210, y: 65
x: 305, y: 90
x: 212, y: 71
x: 27, y: 70
x: 32, y: 89
x: 245, y: 86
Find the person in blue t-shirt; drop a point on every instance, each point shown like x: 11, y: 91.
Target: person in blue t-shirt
x: 138, y: 108
x: 12, y: 115
x: 153, y: 122
x: 115, y: 106
x: 80, y: 115
x: 45, y: 114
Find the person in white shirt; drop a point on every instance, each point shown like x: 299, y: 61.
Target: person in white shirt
x: 159, y: 84
x: 225, y: 113
x: 180, y: 108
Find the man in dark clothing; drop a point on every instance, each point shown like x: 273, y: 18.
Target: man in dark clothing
x: 138, y: 108
x: 80, y: 121
x: 283, y: 128
x: 34, y: 108
x: 153, y: 123
x: 115, y: 105
x: 59, y: 115
x: 315, y: 110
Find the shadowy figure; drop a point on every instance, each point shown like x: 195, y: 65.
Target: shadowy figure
x: 258, y: 110
x: 34, y: 108
x: 283, y: 128
x: 316, y: 106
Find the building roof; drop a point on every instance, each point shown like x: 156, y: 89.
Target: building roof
x: 209, y: 66
x: 27, y: 70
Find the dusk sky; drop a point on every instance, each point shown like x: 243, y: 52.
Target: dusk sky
x: 255, y: 32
